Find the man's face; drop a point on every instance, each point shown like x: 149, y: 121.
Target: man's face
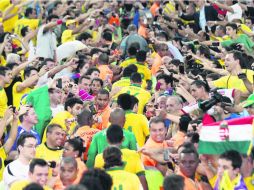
x: 96, y: 86
x: 250, y: 109
x: 188, y: 164
x: 102, y: 101
x: 33, y: 73
x: 65, y: 83
x: 28, y: 150
x: 196, y: 92
x: 50, y: 65
x: 8, y: 77
x: 31, y: 116
x: 226, y: 165
x: 158, y: 132
x: 56, y: 96
x: 76, y: 109
x: 85, y: 84
x: 230, y: 62
x: 33, y: 15
x: 163, y: 85
x: 68, y: 150
x: 56, y: 137
x: 172, y: 106
x: 68, y: 173
x: 40, y: 175
x: 95, y: 74
x: 248, y: 23
x: 230, y: 31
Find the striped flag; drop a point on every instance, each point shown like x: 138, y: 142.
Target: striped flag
x: 235, y: 134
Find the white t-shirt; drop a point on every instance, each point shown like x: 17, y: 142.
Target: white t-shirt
x: 15, y: 171
x: 237, y: 14
x: 59, y: 108
x: 46, y: 43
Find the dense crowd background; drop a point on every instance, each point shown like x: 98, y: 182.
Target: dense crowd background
x: 126, y: 95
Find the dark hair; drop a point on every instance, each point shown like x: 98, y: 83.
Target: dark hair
x: 134, y: 101
x: 91, y: 70
x: 28, y: 11
x: 114, y: 134
x: 194, y: 137
x: 76, y: 187
x: 239, y: 55
x: 186, y: 145
x: 163, y: 34
x: 99, y: 80
x: 103, y: 59
x: 141, y: 56
x: 184, y: 122
x: 77, y: 145
x: 3, y: 70
x: 11, y: 65
x: 156, y: 120
x: 168, y: 79
x: 234, y: 157
x: 112, y: 157
x: 190, y: 151
x: 204, y: 50
x: 23, y: 31
x: 125, y: 101
x: 33, y: 186
x: 50, y: 17
x: 28, y: 70
x: 173, y: 182
x: 200, y: 83
x: 136, y: 77
x: 232, y: 25
x: 107, y: 36
x: 84, y: 36
x: 96, y: 179
x: 51, y: 127
x: 133, y: 49
x: 71, y: 102
x: 128, y: 71
x: 175, y: 62
x: 94, y: 51
x: 37, y: 162
x: 103, y: 91
x: 85, y: 118
x: 22, y: 139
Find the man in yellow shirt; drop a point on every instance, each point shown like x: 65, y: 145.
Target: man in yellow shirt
x: 5, y: 78
x: 38, y: 173
x: 51, y: 150
x: 142, y: 67
x: 135, y: 89
x: 136, y: 123
x: 131, y: 158
x: 239, y: 78
x: 131, y: 59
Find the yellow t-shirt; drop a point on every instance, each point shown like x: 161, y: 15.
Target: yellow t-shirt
x: 3, y: 102
x: 138, y: 124
x: 2, y: 158
x: 67, y: 36
x: 32, y: 23
x: 19, y: 185
x: 128, y: 61
x: 125, y: 81
x: 144, y: 71
x: 231, y: 82
x: 17, y: 96
x: 123, y: 180
x: 43, y: 152
x: 142, y: 95
x: 10, y: 23
x: 4, y: 4
x: 131, y: 158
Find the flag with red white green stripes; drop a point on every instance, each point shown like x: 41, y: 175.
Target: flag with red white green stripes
x: 235, y: 134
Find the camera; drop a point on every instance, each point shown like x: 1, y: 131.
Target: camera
x: 207, y: 104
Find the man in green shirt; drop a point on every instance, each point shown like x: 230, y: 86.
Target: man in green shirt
x: 99, y: 141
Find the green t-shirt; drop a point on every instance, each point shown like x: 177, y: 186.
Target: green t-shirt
x: 99, y: 143
x: 242, y: 39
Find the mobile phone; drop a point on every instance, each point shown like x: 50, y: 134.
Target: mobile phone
x: 92, y: 109
x: 166, y: 155
x: 242, y: 76
x: 215, y: 43
x: 207, y: 29
x: 59, y: 84
x: 13, y: 109
x: 181, y: 69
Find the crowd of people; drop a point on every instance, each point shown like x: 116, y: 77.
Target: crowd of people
x: 126, y: 94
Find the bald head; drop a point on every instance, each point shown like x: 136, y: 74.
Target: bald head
x: 117, y: 117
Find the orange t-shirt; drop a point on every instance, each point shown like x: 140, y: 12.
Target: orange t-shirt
x: 178, y: 139
x: 156, y: 63
x: 81, y: 167
x: 86, y: 133
x: 104, y: 117
x: 147, y: 161
x: 59, y: 185
x: 189, y: 184
x: 105, y: 72
x: 154, y: 8
x: 142, y: 31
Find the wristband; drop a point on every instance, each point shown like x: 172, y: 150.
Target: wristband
x: 59, y: 21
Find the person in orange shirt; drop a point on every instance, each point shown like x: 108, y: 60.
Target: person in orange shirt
x: 85, y: 132
x: 188, y: 163
x: 154, y: 7
x: 161, y: 51
x: 105, y: 72
x: 74, y: 148
x: 156, y: 140
x: 68, y: 174
x: 101, y: 117
x: 143, y: 30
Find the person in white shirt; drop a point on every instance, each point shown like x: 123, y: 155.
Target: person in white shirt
x: 18, y: 169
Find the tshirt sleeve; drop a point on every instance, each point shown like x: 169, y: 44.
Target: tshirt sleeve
x: 92, y: 152
x: 140, y: 170
x: 145, y: 126
x: 221, y: 82
x: 66, y: 36
x: 99, y: 162
x: 133, y: 141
